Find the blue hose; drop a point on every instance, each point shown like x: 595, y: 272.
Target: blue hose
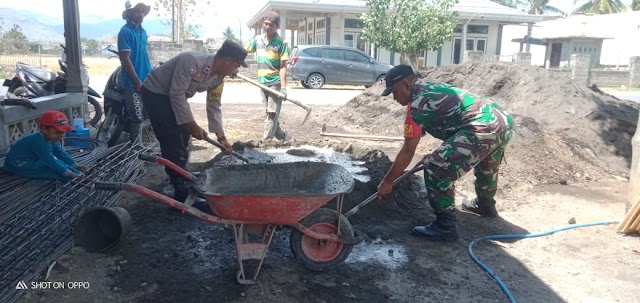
x: 519, y: 236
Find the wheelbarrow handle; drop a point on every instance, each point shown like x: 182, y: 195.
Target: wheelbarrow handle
x: 219, y: 145
x: 375, y: 195
x: 181, y: 171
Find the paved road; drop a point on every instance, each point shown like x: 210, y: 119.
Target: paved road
x: 245, y: 93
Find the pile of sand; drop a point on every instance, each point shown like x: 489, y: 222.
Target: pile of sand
x: 564, y: 131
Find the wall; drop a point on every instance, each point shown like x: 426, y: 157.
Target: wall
x: 582, y: 73
x: 18, y: 121
x: 163, y: 51
x: 610, y: 78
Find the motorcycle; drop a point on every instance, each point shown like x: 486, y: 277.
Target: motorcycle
x: 32, y: 82
x: 120, y: 117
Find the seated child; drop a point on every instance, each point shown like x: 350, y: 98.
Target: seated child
x: 41, y: 155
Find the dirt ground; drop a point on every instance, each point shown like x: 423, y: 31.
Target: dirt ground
x: 550, y: 177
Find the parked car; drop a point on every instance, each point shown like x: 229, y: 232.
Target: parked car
x: 317, y: 65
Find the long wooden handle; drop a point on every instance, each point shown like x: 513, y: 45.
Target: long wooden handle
x: 274, y: 92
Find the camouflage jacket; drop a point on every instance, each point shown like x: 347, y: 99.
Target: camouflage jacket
x: 443, y: 110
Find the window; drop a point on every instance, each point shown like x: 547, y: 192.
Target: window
x: 301, y: 28
x: 313, y: 52
x: 352, y: 23
x: 310, y: 39
x: 310, y: 26
x: 320, y: 39
x: 348, y: 40
x: 356, y: 57
x: 320, y: 23
x: 481, y: 45
x: 472, y: 29
x: 331, y: 53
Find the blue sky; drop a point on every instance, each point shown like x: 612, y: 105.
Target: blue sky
x: 219, y: 13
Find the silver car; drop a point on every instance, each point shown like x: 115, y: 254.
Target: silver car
x: 317, y: 65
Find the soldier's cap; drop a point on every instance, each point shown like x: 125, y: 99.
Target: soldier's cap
x: 273, y: 17
x: 231, y: 49
x: 395, y: 75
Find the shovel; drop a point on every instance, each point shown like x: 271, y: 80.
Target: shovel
x: 217, y: 144
x: 375, y: 195
x: 278, y: 94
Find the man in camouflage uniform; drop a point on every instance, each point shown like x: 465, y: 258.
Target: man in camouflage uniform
x: 475, y: 132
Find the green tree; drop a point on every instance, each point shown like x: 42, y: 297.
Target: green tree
x: 92, y: 45
x: 228, y: 34
x: 184, y: 10
x: 536, y: 7
x: 409, y: 27
x: 14, y: 41
x: 635, y: 5
x: 599, y: 7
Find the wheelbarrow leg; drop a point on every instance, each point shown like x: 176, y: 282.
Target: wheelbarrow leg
x: 246, y: 250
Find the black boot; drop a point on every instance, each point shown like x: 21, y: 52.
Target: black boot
x: 482, y: 207
x: 180, y: 189
x: 181, y: 193
x: 442, y: 229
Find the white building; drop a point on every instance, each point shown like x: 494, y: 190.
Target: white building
x: 610, y: 39
x: 335, y: 22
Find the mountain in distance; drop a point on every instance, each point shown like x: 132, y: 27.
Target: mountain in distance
x: 39, y: 27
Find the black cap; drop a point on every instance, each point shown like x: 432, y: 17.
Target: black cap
x: 231, y: 49
x: 395, y: 75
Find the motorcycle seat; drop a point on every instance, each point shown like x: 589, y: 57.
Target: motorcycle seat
x: 42, y: 75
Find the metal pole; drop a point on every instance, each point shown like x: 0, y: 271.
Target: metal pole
x: 40, y: 55
x: 173, y: 20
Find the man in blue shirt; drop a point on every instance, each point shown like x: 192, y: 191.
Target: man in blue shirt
x: 134, y: 58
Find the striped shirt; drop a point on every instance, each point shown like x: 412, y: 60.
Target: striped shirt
x: 269, y: 55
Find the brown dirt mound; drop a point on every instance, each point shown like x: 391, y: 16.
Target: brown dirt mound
x: 564, y: 131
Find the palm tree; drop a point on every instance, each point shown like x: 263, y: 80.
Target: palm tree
x: 599, y: 7
x: 635, y: 5
x: 228, y: 34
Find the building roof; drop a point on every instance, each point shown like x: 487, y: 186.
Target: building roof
x: 466, y: 9
x: 583, y: 26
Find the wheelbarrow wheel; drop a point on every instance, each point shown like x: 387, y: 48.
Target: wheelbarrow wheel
x: 318, y: 254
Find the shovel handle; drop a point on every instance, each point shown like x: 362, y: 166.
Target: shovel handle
x: 375, y: 195
x: 217, y: 144
x: 274, y: 92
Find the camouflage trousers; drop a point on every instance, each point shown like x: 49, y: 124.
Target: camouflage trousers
x: 457, y: 156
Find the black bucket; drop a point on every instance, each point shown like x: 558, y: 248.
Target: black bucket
x: 100, y: 228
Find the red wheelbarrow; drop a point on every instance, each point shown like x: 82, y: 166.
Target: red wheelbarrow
x: 257, y: 198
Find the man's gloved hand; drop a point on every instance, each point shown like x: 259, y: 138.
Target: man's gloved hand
x: 283, y: 91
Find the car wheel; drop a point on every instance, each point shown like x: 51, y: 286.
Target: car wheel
x: 380, y: 78
x: 315, y: 80
x: 304, y: 84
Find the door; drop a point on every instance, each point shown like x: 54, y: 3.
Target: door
x: 334, y: 69
x: 359, y: 68
x: 554, y: 58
